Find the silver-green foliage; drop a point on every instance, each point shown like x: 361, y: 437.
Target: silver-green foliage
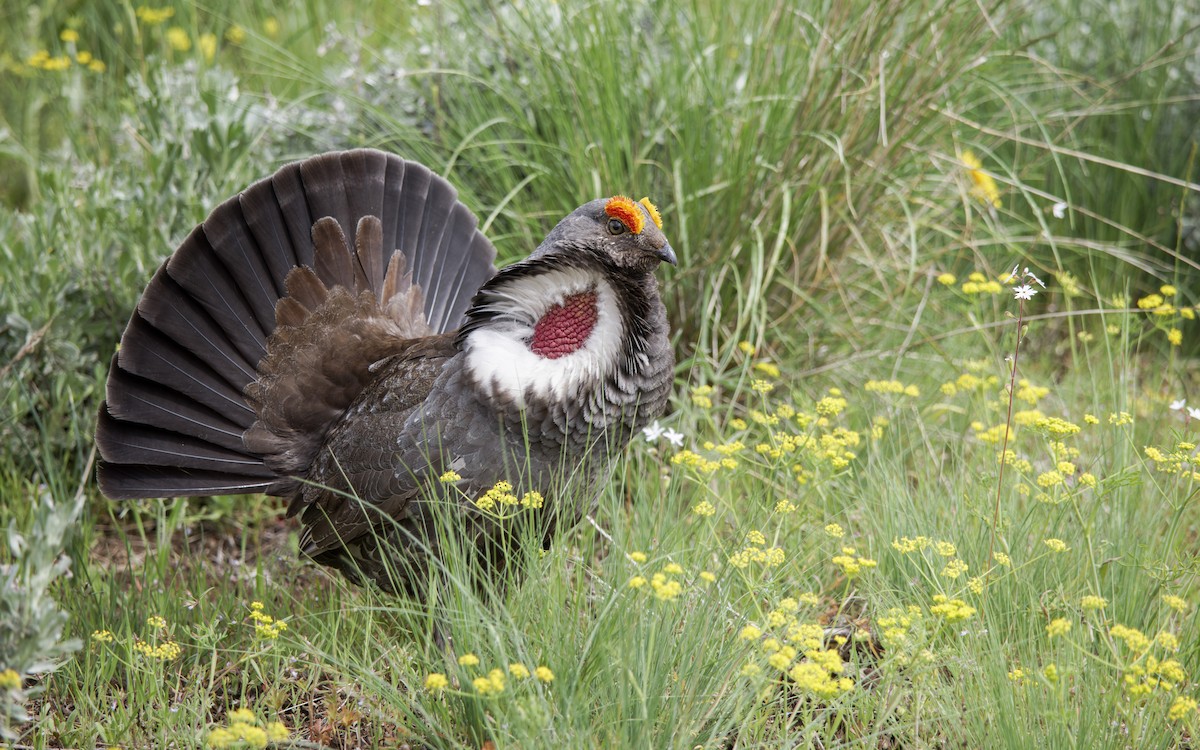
x: 31, y: 621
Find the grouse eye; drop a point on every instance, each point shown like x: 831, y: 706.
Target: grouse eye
x: 615, y: 227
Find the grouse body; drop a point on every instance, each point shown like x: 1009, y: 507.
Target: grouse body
x: 337, y: 335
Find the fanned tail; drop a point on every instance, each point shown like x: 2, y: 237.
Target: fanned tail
x: 258, y: 332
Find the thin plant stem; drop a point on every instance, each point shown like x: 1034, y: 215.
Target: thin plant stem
x: 1012, y: 387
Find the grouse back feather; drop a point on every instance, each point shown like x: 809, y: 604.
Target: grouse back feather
x: 337, y: 334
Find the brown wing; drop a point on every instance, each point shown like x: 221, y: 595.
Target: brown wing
x: 354, y: 478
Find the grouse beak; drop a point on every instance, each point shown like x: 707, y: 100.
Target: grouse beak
x: 666, y: 254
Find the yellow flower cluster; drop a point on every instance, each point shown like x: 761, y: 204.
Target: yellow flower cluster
x: 894, y: 387
x: 905, y: 546
x: 43, y: 60
x: 851, y: 563
x: 767, y: 368
x: 769, y: 557
x: 761, y: 386
x: 265, y: 626
x: 1177, y: 603
x: 102, y: 636
x: 701, y: 396
x: 449, y: 477
x: 1179, y: 462
x: 491, y: 684
x: 10, y: 680
x: 494, y: 682
x: 968, y: 382
x: 831, y: 405
x: 1142, y: 678
x: 1181, y: 708
x: 952, y: 610
x: 1030, y: 393
x: 819, y: 674
x: 983, y: 185
x: 1056, y: 545
x: 977, y: 283
x: 435, y: 682
x: 501, y: 497
x: 165, y: 651
x: 665, y: 587
x: 245, y: 730
x: 896, y: 625
x: 1092, y: 602
x: 694, y: 460
x: 1058, y: 626
x: 154, y: 16
x: 704, y: 509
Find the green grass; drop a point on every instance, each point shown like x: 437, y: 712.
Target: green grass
x: 808, y: 163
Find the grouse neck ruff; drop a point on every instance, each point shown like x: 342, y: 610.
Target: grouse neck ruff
x: 338, y: 335
x: 544, y: 340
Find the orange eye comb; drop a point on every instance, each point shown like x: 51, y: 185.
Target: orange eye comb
x: 653, y: 211
x: 626, y: 211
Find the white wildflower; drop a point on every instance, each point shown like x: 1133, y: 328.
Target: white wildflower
x: 653, y: 432
x: 1023, y: 292
x: 674, y: 438
x: 1178, y: 405
x: 1059, y: 210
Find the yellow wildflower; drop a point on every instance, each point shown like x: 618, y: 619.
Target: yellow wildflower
x: 277, y: 731
x: 946, y: 279
x: 271, y: 26
x: 449, y: 477
x: 1174, y: 602
x: 543, y: 674
x: 10, y: 680
x: 102, y: 636
x: 638, y: 557
x: 208, y: 46
x: 704, y: 508
x: 952, y: 610
x: 767, y: 368
x: 1092, y: 602
x: 235, y: 34
x: 468, y: 660
x: 179, y: 39
x: 984, y: 186
x: 1181, y: 708
x: 762, y: 386
x: 1058, y: 626
x: 637, y: 582
x: 436, y: 682
x: 1056, y: 545
x: 835, y: 531
x: 69, y: 36
x: 1051, y: 673
x: 156, y: 621
x: 954, y: 569
x: 1175, y: 337
x: 707, y: 577
x: 153, y: 16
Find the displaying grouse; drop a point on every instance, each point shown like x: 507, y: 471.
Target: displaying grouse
x: 337, y: 335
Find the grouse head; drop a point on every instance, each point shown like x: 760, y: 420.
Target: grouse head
x: 578, y: 328
x: 626, y: 234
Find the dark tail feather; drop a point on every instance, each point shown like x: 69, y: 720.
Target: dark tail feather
x: 176, y: 414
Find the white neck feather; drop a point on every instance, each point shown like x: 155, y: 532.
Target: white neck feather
x: 498, y: 354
